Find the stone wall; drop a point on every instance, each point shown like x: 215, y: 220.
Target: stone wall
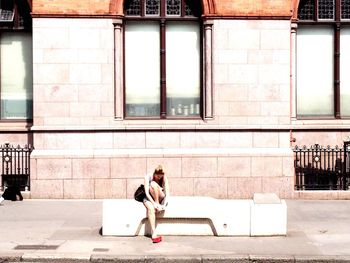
x: 82, y: 151
x: 251, y: 72
x: 73, y: 71
x: 220, y: 173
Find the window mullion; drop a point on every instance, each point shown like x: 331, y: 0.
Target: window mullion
x: 337, y: 61
x: 337, y: 71
x: 337, y: 10
x: 162, y: 69
x: 316, y: 10
x: 183, y: 8
x: 143, y: 8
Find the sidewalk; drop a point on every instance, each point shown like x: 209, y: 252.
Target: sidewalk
x: 68, y: 230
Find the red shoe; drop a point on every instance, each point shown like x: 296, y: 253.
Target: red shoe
x: 157, y: 239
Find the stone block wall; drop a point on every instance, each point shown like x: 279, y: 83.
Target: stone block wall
x: 251, y: 72
x: 22, y: 138
x: 82, y: 151
x: 322, y: 137
x: 117, y: 173
x: 73, y: 71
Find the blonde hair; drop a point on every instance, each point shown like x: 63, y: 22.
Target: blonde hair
x: 159, y: 169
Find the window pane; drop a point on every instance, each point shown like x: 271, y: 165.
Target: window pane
x: 173, y: 7
x: 345, y: 9
x: 183, y: 68
x: 193, y: 8
x: 16, y: 75
x: 133, y: 7
x: 142, y: 69
x: 326, y: 9
x: 315, y: 71
x: 306, y: 10
x: 152, y: 7
x: 344, y: 71
x: 6, y: 15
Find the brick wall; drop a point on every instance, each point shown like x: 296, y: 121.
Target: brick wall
x: 74, y: 7
x: 253, y: 7
x: 214, y: 7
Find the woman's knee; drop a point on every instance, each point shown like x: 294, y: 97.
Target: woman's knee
x: 154, y: 186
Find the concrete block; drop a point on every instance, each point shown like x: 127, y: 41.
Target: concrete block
x: 183, y: 216
x: 128, y: 224
x: 268, y: 215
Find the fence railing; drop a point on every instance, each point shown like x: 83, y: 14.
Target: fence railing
x: 15, y: 168
x: 322, y: 168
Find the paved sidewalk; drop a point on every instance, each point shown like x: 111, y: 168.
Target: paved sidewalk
x: 68, y: 230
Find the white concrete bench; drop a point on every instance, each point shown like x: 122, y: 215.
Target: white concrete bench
x: 268, y: 215
x: 183, y: 216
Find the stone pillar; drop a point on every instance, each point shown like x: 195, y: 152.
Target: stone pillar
x: 293, y: 90
x: 118, y: 68
x: 208, y: 70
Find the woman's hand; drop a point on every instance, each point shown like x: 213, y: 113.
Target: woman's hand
x: 158, y: 207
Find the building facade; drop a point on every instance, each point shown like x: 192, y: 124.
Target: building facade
x: 219, y: 92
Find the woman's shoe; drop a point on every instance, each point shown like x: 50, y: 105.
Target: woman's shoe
x: 157, y: 239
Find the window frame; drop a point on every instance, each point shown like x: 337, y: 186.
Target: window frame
x: 336, y: 25
x: 162, y: 19
x: 15, y: 25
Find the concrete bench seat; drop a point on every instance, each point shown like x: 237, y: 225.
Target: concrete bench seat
x: 183, y: 216
x: 268, y: 215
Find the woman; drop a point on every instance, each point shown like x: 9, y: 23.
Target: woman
x: 157, y: 193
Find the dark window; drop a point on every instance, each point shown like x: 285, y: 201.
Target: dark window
x: 162, y: 59
x: 326, y: 9
x: 345, y: 9
x: 7, y: 11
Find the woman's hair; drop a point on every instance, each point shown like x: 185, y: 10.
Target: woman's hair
x: 159, y: 170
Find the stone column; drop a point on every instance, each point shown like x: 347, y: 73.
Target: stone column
x: 293, y: 91
x: 208, y: 71
x: 118, y: 68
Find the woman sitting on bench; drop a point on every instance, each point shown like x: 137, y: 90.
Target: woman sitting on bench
x: 157, y: 193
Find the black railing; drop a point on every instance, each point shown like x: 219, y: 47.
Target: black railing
x: 15, y: 169
x: 322, y: 168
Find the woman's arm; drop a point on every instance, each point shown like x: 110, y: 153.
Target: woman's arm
x: 166, y: 190
x: 146, y: 184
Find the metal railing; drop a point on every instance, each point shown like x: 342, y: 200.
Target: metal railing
x: 322, y: 168
x: 15, y: 168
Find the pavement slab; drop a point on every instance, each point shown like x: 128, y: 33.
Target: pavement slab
x: 69, y: 231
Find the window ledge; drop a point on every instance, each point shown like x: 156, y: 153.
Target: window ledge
x: 157, y: 152
x: 17, y: 126
x: 322, y: 123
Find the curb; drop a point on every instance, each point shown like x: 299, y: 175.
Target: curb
x: 230, y: 258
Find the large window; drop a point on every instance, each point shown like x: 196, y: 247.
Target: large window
x: 323, y: 58
x: 16, y: 81
x: 162, y: 59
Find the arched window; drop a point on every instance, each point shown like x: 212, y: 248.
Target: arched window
x: 323, y: 58
x: 162, y: 59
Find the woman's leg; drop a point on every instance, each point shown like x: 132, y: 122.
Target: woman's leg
x: 151, y: 215
x: 157, y: 192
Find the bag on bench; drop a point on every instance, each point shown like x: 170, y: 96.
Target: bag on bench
x: 140, y: 193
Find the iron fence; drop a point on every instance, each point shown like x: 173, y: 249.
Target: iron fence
x: 322, y: 168
x: 15, y: 169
